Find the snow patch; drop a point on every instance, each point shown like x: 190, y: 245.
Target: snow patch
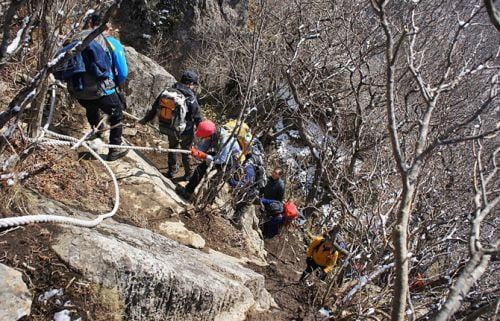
x: 15, y: 43
x: 62, y: 316
x: 325, y: 312
x: 49, y: 294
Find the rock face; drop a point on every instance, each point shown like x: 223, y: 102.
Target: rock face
x: 144, y: 189
x: 145, y: 81
x: 15, y: 299
x: 253, y: 237
x: 180, y: 22
x: 160, y: 279
x: 157, y: 277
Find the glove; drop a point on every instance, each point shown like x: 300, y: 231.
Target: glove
x: 196, y: 153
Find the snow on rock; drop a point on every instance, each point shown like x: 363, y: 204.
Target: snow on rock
x: 325, y: 312
x: 15, y: 299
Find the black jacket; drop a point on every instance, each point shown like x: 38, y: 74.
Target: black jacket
x: 193, y: 116
x: 274, y: 189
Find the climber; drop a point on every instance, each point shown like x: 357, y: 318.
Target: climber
x: 277, y: 215
x: 93, y: 76
x: 323, y: 253
x: 244, y: 189
x: 121, y: 71
x: 273, y: 217
x: 179, y: 112
x: 217, y: 146
x: 275, y: 187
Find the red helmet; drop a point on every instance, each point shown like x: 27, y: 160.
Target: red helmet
x: 205, y: 129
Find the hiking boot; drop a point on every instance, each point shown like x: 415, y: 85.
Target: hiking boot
x: 115, y: 154
x: 181, y: 191
x: 171, y: 172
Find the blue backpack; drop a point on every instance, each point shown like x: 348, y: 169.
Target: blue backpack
x: 88, y: 74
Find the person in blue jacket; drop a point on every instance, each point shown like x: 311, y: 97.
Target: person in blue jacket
x: 112, y: 101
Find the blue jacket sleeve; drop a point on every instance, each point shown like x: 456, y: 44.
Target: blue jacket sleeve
x: 119, y: 60
x: 266, y: 201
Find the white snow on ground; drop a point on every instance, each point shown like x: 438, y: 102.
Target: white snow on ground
x: 15, y: 43
x: 62, y: 316
x: 51, y: 293
x: 284, y: 93
x: 324, y: 312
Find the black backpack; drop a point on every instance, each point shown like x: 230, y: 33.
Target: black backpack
x: 275, y: 208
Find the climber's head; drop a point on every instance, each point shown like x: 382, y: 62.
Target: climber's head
x: 206, y: 129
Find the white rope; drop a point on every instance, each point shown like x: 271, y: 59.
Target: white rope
x: 56, y: 142
x: 64, y: 140
x: 30, y: 219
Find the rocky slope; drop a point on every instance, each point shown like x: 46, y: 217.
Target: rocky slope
x: 163, y: 273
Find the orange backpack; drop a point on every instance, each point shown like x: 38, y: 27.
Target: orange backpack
x: 173, y: 108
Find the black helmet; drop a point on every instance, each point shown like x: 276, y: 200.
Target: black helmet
x: 189, y: 77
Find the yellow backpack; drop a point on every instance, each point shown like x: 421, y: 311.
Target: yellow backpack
x: 243, y: 136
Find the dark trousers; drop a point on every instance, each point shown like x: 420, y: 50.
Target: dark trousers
x: 196, y: 178
x: 272, y: 226
x: 311, y: 266
x: 184, y: 142
x: 110, y: 105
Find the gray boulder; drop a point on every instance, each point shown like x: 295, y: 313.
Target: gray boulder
x: 145, y: 81
x: 160, y: 279
x: 15, y: 299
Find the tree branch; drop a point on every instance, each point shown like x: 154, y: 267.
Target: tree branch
x: 493, y: 13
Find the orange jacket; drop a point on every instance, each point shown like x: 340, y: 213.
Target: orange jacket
x: 321, y: 256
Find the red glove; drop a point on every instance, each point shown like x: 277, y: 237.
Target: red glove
x: 196, y: 153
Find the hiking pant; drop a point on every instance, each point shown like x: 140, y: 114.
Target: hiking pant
x: 196, y: 178
x: 311, y: 266
x: 110, y: 105
x: 272, y: 226
x: 184, y: 142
